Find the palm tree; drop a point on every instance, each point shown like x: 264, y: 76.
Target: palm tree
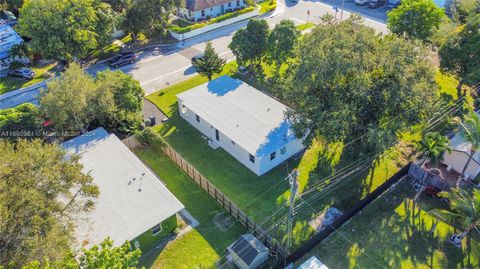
x: 470, y: 131
x: 464, y: 210
x: 432, y: 147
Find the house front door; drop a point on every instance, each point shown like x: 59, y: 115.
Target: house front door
x: 223, y: 9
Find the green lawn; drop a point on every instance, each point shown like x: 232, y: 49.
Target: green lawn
x: 396, y: 234
x: 147, y: 239
x: 203, y: 246
x: 8, y: 84
x: 112, y: 48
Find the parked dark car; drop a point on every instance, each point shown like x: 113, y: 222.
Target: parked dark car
x: 376, y: 3
x: 196, y: 58
x: 122, y: 59
x: 23, y: 73
x: 393, y: 3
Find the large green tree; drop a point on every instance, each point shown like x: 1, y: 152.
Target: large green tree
x: 462, y: 10
x: 150, y: 16
x: 348, y: 82
x: 282, y: 41
x: 210, y: 64
x: 459, y: 54
x: 66, y: 29
x: 250, y: 44
x: 40, y: 191
x: 104, y: 255
x: 23, y: 121
x: 416, y: 19
x: 73, y: 101
x: 127, y: 98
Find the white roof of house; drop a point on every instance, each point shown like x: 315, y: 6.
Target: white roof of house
x: 312, y: 263
x: 457, y: 142
x: 252, y: 119
x: 132, y: 199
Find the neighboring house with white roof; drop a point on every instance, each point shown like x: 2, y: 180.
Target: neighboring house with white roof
x: 198, y: 10
x: 132, y: 203
x: 245, y: 122
x: 8, y: 39
x: 312, y: 263
x: 458, y: 158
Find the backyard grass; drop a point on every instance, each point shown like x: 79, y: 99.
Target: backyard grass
x: 203, y: 246
x: 147, y: 239
x: 8, y: 84
x: 394, y: 233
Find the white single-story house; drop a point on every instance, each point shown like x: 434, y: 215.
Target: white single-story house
x: 198, y: 10
x: 132, y: 200
x: 312, y: 263
x: 245, y: 122
x: 247, y: 252
x: 458, y: 158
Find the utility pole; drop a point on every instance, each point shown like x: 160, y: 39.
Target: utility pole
x: 341, y: 12
x: 292, y: 179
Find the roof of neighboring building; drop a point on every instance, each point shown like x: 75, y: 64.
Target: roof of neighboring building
x: 196, y: 5
x: 250, y: 118
x: 312, y: 263
x: 8, y: 38
x: 247, y: 247
x: 457, y: 142
x: 132, y: 199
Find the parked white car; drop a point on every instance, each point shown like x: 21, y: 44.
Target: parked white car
x: 361, y: 2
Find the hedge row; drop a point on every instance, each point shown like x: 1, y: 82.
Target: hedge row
x: 271, y: 7
x: 181, y: 30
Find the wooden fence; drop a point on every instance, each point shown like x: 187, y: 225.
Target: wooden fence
x: 427, y: 178
x: 276, y: 249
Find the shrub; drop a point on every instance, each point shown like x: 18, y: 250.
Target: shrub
x: 181, y: 30
x: 148, y: 136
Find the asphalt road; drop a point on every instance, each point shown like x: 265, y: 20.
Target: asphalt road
x: 166, y: 65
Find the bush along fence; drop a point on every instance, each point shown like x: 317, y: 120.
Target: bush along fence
x: 274, y: 246
x: 319, y: 237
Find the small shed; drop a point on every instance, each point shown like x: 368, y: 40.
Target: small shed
x: 247, y: 252
x: 312, y: 263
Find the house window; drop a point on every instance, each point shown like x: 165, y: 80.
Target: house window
x: 184, y: 109
x: 203, y: 13
x: 211, y: 9
x: 197, y: 118
x: 233, y: 142
x: 252, y: 158
x: 217, y: 135
x: 238, y: 3
x: 273, y: 155
x: 156, y: 229
x: 229, y: 4
x: 283, y: 150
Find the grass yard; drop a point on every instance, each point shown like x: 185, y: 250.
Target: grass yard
x: 396, y: 234
x: 203, y: 246
x: 8, y: 84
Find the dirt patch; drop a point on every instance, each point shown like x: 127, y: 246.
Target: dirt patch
x: 223, y: 221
